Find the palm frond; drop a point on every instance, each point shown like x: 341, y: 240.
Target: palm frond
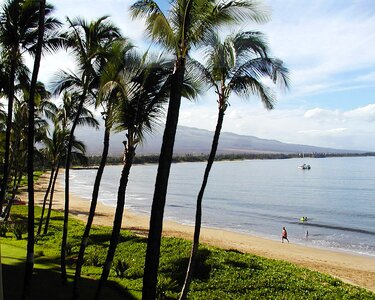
x: 66, y: 81
x: 265, y: 67
x: 157, y: 24
x: 201, y: 73
x: 246, y: 86
x: 88, y: 121
x: 235, y: 11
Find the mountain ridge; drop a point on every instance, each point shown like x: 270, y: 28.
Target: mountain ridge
x: 192, y: 140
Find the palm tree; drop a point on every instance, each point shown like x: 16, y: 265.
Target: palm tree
x: 19, y: 20
x: 30, y: 156
x: 56, y: 144
x: 186, y: 26
x: 18, y: 159
x: 142, y: 88
x: 238, y: 65
x: 88, y: 43
x: 117, y: 62
x: 55, y: 149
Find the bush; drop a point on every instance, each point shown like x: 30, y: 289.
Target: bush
x: 69, y: 249
x: 120, y: 268
x: 18, y: 229
x: 3, y: 229
x: 165, y: 284
x: 94, y: 257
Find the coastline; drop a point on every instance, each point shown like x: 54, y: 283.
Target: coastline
x: 355, y: 269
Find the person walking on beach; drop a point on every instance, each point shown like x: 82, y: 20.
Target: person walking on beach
x: 284, y: 235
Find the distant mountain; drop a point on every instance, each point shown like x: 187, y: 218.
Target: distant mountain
x: 197, y: 141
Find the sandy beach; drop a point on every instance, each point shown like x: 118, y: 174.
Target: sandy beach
x: 354, y: 269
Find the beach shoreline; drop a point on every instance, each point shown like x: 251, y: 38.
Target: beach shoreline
x: 352, y: 268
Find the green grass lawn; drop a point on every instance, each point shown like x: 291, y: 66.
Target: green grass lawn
x: 220, y: 274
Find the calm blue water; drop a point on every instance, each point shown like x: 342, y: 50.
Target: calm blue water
x: 260, y: 196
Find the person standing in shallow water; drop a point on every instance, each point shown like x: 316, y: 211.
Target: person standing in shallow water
x: 284, y: 235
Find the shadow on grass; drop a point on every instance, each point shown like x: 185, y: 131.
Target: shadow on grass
x: 100, y: 238
x: 46, y: 284
x: 202, y: 268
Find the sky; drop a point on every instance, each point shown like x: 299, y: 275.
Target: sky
x: 329, y: 48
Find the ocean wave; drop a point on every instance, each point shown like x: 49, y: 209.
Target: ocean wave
x: 335, y: 227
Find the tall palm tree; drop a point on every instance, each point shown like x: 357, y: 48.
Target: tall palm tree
x: 18, y: 158
x: 56, y: 145
x: 186, y: 26
x: 142, y: 88
x: 78, y: 154
x: 19, y: 20
x: 237, y: 65
x: 30, y: 155
x: 120, y: 55
x: 88, y: 42
x: 54, y: 151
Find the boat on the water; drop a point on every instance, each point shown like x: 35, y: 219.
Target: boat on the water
x: 305, y: 167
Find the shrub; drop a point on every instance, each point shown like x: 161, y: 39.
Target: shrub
x: 18, y: 229
x: 94, y: 257
x: 3, y: 229
x: 69, y: 249
x: 120, y: 268
x: 165, y: 284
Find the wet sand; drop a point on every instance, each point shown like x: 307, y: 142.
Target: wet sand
x: 354, y: 269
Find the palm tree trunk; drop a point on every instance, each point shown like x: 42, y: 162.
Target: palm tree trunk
x: 198, y: 214
x: 6, y: 168
x: 66, y: 206
x: 30, y: 157
x: 90, y: 218
x: 45, y: 201
x: 129, y: 155
x: 5, y: 214
x: 158, y: 203
x: 17, y: 180
x: 45, y: 231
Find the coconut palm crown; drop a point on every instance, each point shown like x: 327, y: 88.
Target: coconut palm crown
x: 240, y: 64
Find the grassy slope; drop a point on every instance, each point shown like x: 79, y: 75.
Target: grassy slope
x: 221, y: 274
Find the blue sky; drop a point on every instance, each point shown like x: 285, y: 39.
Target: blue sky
x: 329, y: 47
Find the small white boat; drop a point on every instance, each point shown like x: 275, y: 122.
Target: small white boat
x: 305, y: 167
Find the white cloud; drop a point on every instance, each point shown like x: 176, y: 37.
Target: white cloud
x: 366, y: 113
x: 117, y: 10
x: 322, y: 42
x: 327, y: 132
x: 362, y: 114
x: 322, y: 115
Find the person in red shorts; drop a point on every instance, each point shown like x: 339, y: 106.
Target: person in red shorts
x: 284, y: 235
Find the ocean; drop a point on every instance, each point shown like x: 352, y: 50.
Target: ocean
x: 259, y: 197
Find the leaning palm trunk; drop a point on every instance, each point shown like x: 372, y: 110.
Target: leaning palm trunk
x: 17, y: 181
x: 90, y: 218
x: 45, y: 201
x: 129, y: 155
x: 16, y: 184
x: 198, y: 214
x: 45, y: 231
x: 158, y: 203
x: 30, y: 157
x: 66, y: 205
